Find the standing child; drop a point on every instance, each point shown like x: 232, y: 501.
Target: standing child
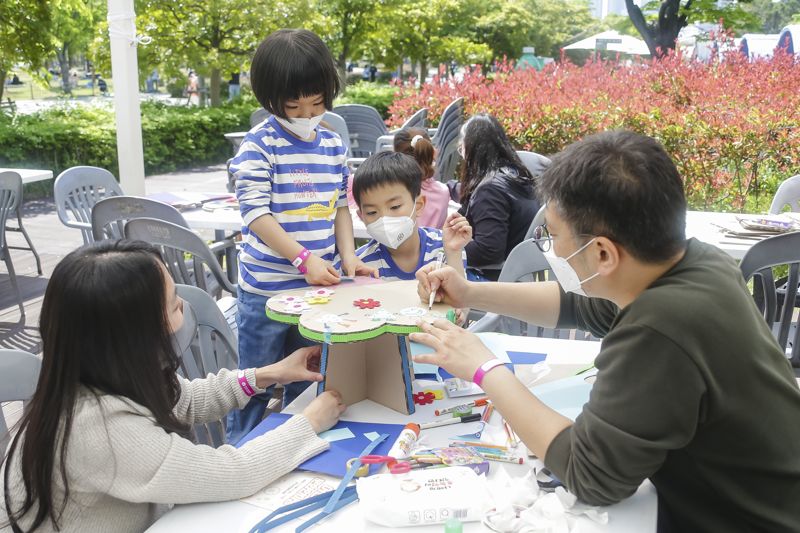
x: 291, y: 178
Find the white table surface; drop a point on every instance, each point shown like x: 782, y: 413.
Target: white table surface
x: 634, y: 515
x: 30, y: 175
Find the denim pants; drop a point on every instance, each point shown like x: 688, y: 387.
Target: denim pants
x: 262, y: 341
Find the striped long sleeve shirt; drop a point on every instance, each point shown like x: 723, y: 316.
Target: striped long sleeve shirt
x: 301, y: 184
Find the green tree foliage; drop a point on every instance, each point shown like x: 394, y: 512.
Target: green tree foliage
x: 73, y: 24
x: 24, y: 31
x: 661, y: 29
x: 774, y: 16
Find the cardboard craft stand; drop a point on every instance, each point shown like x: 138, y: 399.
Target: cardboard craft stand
x: 365, y: 351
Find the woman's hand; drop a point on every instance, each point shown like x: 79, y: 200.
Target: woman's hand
x: 320, y: 272
x: 450, y: 286
x: 301, y: 365
x: 353, y: 266
x: 457, y: 350
x: 324, y: 410
x: 456, y: 232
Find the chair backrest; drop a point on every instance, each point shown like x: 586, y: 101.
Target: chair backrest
x: 175, y: 241
x: 110, y: 215
x: 77, y: 190
x: 788, y: 193
x: 258, y: 116
x: 10, y: 195
x: 525, y: 263
x: 538, y: 220
x: 446, y: 140
x: 213, y: 347
x: 535, y: 163
x: 337, y: 124
x: 776, y: 301
x: 19, y: 374
x: 417, y: 120
x: 364, y: 124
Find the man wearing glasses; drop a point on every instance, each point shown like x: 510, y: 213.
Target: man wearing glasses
x: 692, y: 390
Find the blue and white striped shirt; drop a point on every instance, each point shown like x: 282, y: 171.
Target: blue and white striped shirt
x: 301, y: 184
x: 376, y: 255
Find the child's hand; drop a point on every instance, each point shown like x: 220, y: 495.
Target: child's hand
x: 300, y: 365
x: 456, y: 232
x: 461, y: 316
x: 320, y: 272
x: 353, y: 266
x: 324, y: 410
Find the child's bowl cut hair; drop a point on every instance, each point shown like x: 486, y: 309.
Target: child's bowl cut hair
x: 290, y: 64
x: 385, y: 168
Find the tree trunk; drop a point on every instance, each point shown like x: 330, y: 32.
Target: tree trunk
x: 216, y: 82
x: 2, y: 83
x: 341, y: 65
x: 63, y: 61
x: 659, y: 37
x: 423, y: 71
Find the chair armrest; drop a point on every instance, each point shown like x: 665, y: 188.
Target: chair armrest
x: 489, y: 322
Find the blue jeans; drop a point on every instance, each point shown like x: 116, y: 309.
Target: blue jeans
x: 262, y: 341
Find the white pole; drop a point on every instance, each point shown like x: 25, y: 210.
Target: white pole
x: 125, y: 71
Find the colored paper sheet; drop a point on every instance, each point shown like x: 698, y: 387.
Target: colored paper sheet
x: 525, y: 358
x: 566, y: 396
x: 332, y: 435
x: 333, y: 461
x: 372, y: 435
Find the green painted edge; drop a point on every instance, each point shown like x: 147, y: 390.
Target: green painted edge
x: 340, y: 337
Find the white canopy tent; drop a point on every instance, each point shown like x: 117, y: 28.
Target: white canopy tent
x: 125, y: 72
x: 758, y: 45
x: 612, y: 41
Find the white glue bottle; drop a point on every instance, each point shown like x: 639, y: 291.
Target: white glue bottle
x: 405, y: 442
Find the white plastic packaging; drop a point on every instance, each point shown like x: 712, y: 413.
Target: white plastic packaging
x: 424, y: 497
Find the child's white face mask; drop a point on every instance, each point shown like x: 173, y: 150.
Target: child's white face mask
x: 392, y: 231
x: 302, y: 127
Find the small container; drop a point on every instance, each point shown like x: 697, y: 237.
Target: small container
x: 405, y: 442
x: 453, y: 525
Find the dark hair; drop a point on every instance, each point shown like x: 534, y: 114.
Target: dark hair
x: 104, y: 326
x: 487, y: 150
x: 289, y: 64
x: 422, y: 150
x: 384, y: 168
x: 623, y: 186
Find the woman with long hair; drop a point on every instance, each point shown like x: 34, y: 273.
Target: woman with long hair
x: 103, y: 443
x: 498, y: 195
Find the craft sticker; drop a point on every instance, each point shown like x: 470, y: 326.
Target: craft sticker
x: 413, y: 311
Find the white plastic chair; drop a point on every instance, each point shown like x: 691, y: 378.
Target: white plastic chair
x: 788, y: 193
x: 76, y: 190
x: 19, y: 374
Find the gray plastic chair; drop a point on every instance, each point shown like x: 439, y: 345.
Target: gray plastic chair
x: 10, y: 199
x: 525, y: 263
x: 110, y: 215
x: 76, y: 190
x: 446, y: 140
x: 535, y: 163
x: 365, y: 126
x: 20, y: 228
x: 175, y: 241
x: 213, y: 347
x: 538, y: 220
x: 385, y: 143
x: 258, y: 116
x: 337, y: 124
x: 19, y: 374
x: 788, y: 193
x: 757, y: 264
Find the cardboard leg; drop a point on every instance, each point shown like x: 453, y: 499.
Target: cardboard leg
x: 345, y: 370
x: 386, y: 379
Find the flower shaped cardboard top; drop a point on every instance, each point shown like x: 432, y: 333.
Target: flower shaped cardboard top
x: 360, y: 323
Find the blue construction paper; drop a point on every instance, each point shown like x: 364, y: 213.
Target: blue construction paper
x: 333, y: 461
x: 525, y: 358
x: 332, y: 435
x: 566, y: 396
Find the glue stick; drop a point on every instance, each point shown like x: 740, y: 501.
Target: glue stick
x: 402, y: 446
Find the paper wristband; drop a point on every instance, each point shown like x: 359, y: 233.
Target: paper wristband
x: 245, y: 385
x: 477, y: 379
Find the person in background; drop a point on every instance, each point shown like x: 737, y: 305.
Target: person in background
x: 417, y: 143
x: 498, y: 195
x: 104, y: 444
x: 234, y: 87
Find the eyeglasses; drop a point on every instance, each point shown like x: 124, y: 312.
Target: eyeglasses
x: 542, y: 237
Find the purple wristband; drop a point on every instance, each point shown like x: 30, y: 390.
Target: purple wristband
x: 245, y: 385
x: 477, y: 379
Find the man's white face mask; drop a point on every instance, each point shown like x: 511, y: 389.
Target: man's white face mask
x: 565, y: 274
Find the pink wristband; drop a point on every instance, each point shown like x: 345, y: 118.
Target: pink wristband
x: 477, y: 379
x: 245, y: 385
x: 299, y: 261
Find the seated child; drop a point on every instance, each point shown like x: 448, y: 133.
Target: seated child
x: 387, y: 189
